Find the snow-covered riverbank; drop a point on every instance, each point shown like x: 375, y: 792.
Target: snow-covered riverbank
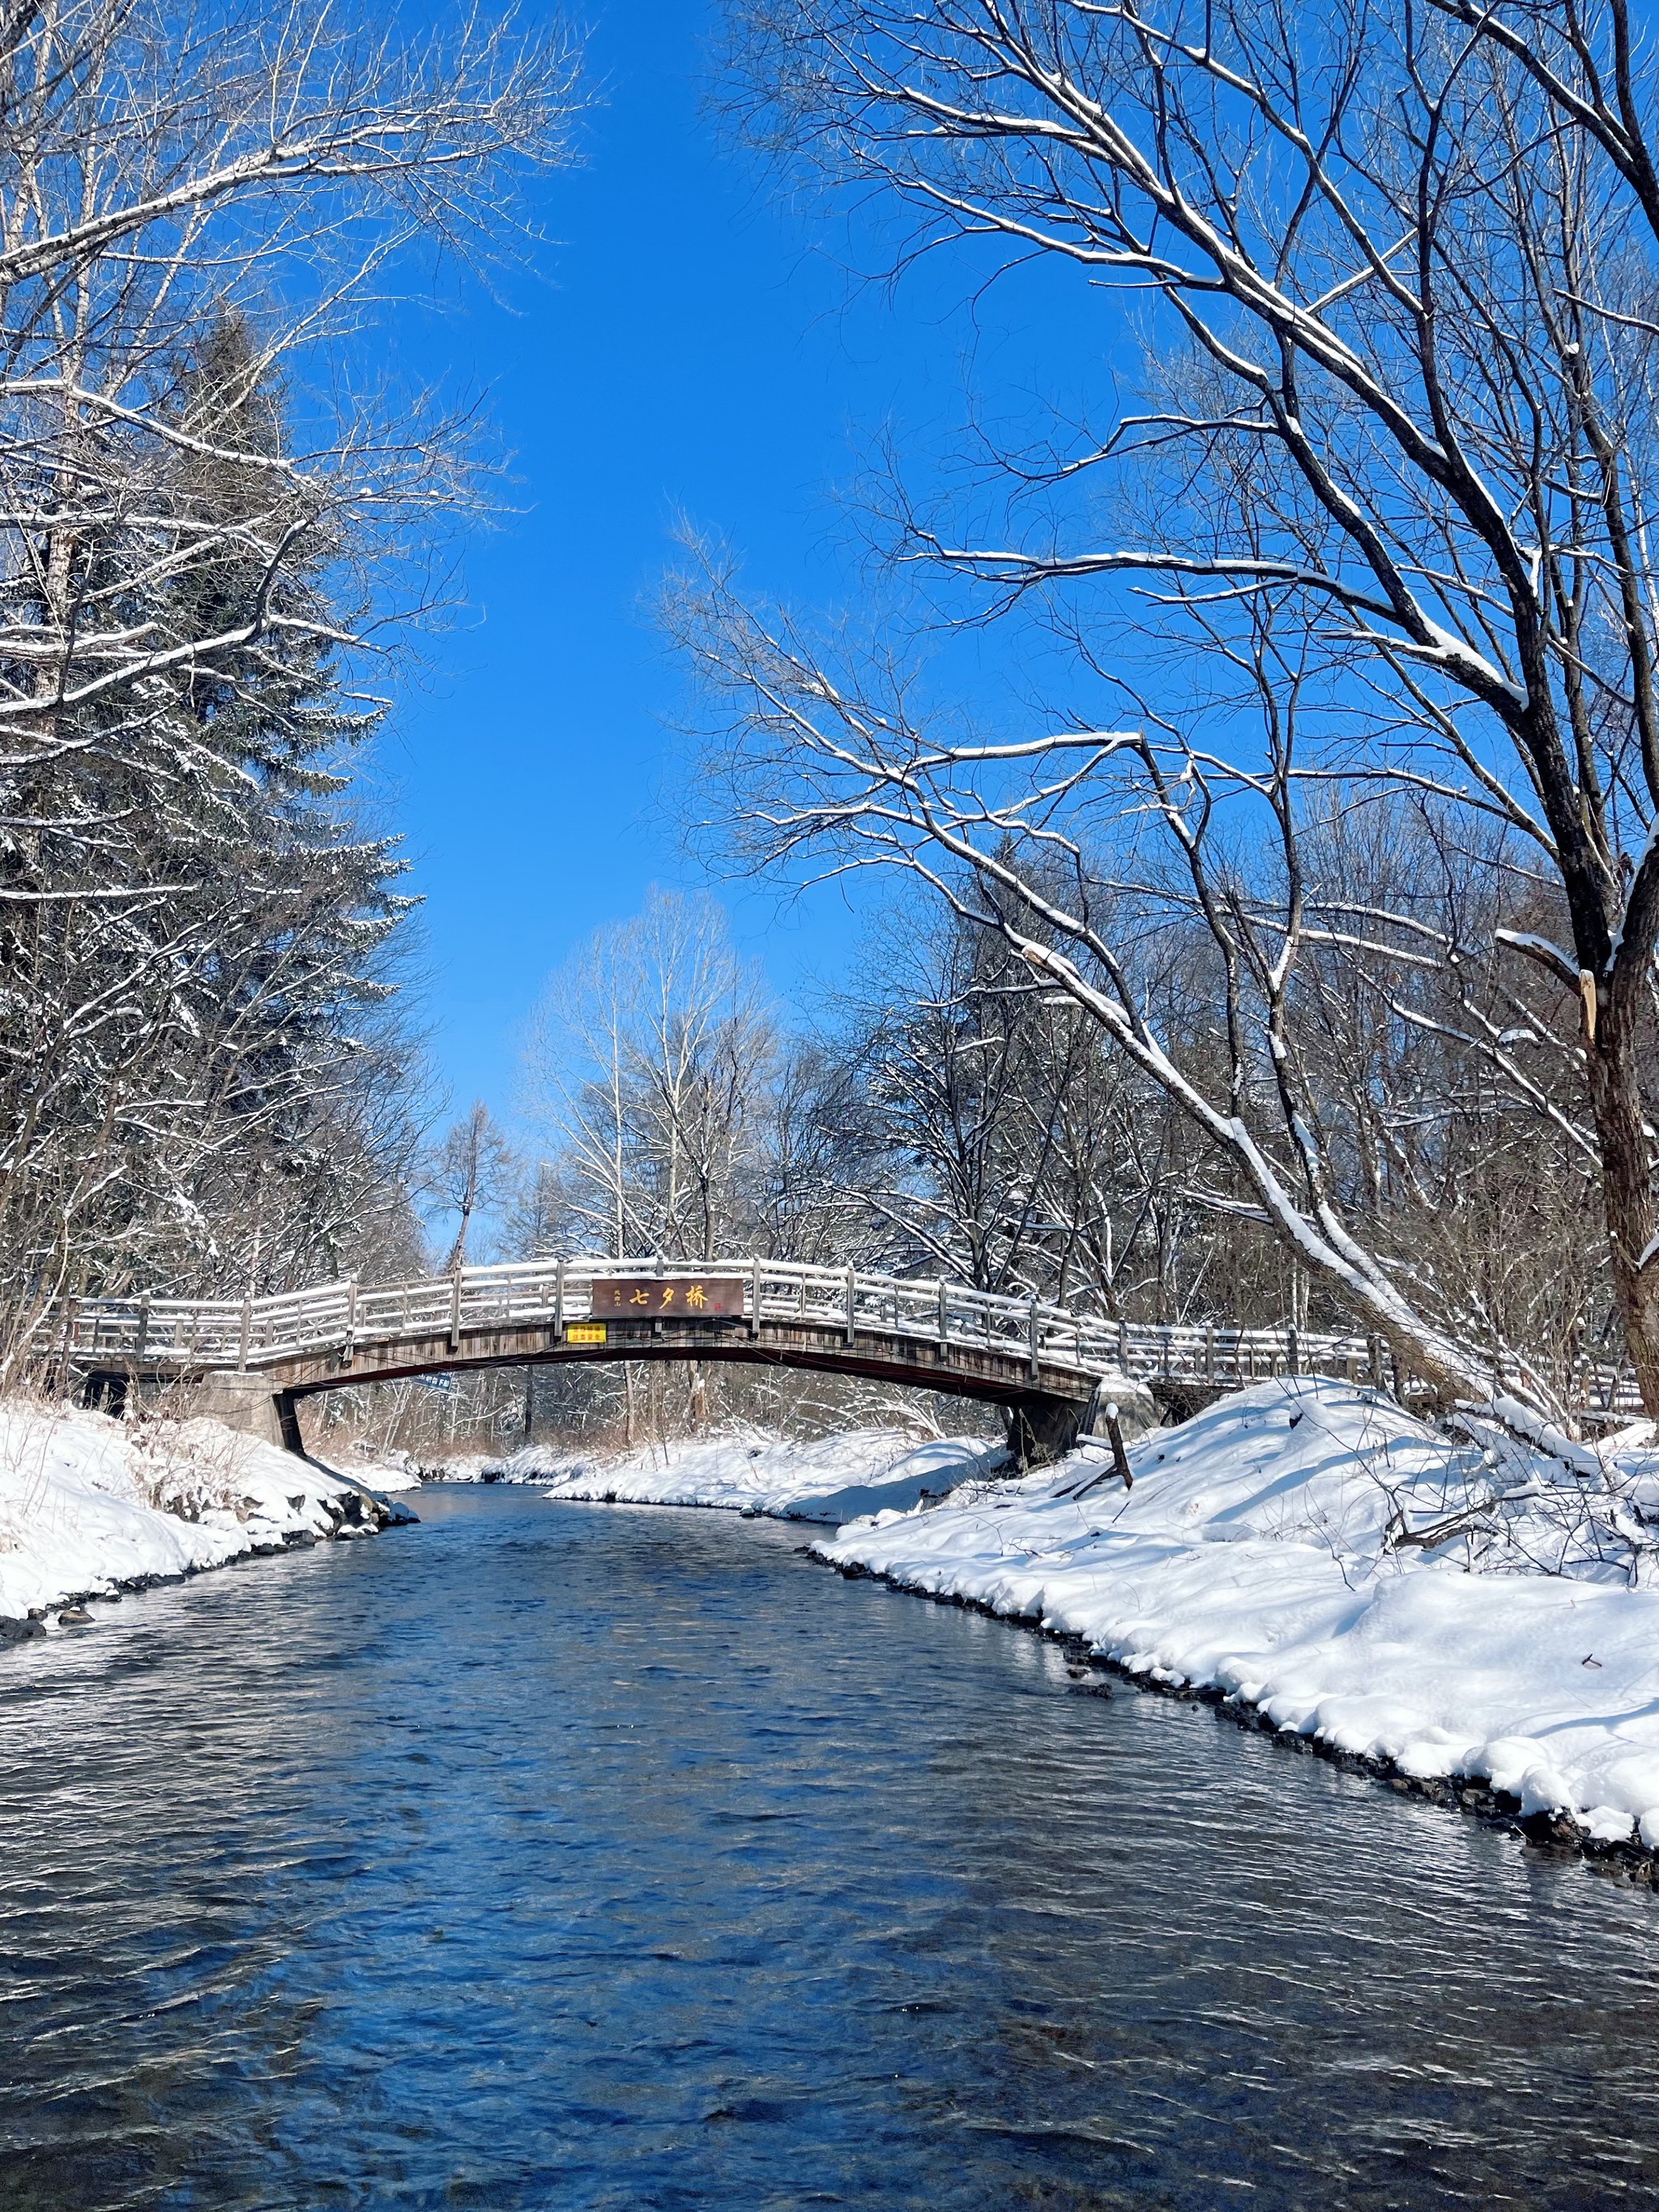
x: 89, y: 1506
x: 1458, y: 1616
x: 864, y: 1472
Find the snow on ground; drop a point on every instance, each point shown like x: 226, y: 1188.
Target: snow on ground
x: 384, y: 1476
x: 1314, y: 1550
x: 866, y: 1470
x: 463, y: 1467
x: 381, y: 1471
x: 537, y: 1462
x: 532, y: 1463
x: 89, y: 1504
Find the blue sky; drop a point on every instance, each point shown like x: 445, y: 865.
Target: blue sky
x: 684, y: 344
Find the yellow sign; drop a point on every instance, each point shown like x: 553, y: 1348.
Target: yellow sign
x: 584, y: 1332
x: 650, y: 1297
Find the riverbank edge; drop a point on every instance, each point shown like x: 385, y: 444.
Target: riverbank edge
x: 354, y: 1524
x: 1555, y: 1835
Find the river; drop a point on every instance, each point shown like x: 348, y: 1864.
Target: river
x: 578, y: 1856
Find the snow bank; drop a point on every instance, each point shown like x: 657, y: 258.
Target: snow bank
x: 531, y: 1464
x: 465, y: 1467
x: 88, y: 1506
x: 381, y: 1475
x: 866, y: 1470
x: 1314, y: 1551
x: 535, y: 1463
x: 381, y: 1471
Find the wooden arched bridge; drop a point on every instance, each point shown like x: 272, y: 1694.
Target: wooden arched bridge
x: 259, y: 1357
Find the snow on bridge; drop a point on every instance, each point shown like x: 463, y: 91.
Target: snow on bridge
x: 1045, y: 1364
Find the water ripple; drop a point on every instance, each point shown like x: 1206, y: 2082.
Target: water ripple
x: 588, y: 1859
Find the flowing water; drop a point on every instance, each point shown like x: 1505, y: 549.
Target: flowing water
x: 572, y: 1856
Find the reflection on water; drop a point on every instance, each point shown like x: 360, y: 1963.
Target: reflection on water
x: 576, y: 1856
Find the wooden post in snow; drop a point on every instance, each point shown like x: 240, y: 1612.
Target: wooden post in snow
x: 1121, y: 1458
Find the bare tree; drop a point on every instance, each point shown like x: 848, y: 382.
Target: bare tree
x: 163, y: 166
x: 649, y: 1065
x: 1386, y: 487
x: 472, y: 1170
x: 1002, y: 1143
x: 650, y: 1068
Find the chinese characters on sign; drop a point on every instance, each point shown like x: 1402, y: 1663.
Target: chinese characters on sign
x: 674, y: 1298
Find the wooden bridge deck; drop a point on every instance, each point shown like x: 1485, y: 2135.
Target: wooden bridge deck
x: 939, y: 1335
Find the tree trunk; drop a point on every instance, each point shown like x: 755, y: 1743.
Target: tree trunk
x: 1626, y: 1186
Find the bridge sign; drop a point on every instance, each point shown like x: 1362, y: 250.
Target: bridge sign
x: 668, y: 1298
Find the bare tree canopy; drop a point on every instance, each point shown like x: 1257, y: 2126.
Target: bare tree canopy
x: 1369, y: 544
x: 648, y: 1066
x: 472, y: 1170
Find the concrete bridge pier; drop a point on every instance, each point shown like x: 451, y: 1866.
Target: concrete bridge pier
x: 247, y: 1403
x: 1042, y: 1429
x: 242, y: 1401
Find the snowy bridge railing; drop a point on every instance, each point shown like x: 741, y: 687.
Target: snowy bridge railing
x: 195, y: 1334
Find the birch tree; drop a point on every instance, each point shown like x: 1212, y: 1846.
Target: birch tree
x: 472, y: 1170
x: 649, y: 1065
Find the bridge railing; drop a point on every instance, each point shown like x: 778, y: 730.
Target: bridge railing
x: 187, y: 1335
x: 190, y: 1333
